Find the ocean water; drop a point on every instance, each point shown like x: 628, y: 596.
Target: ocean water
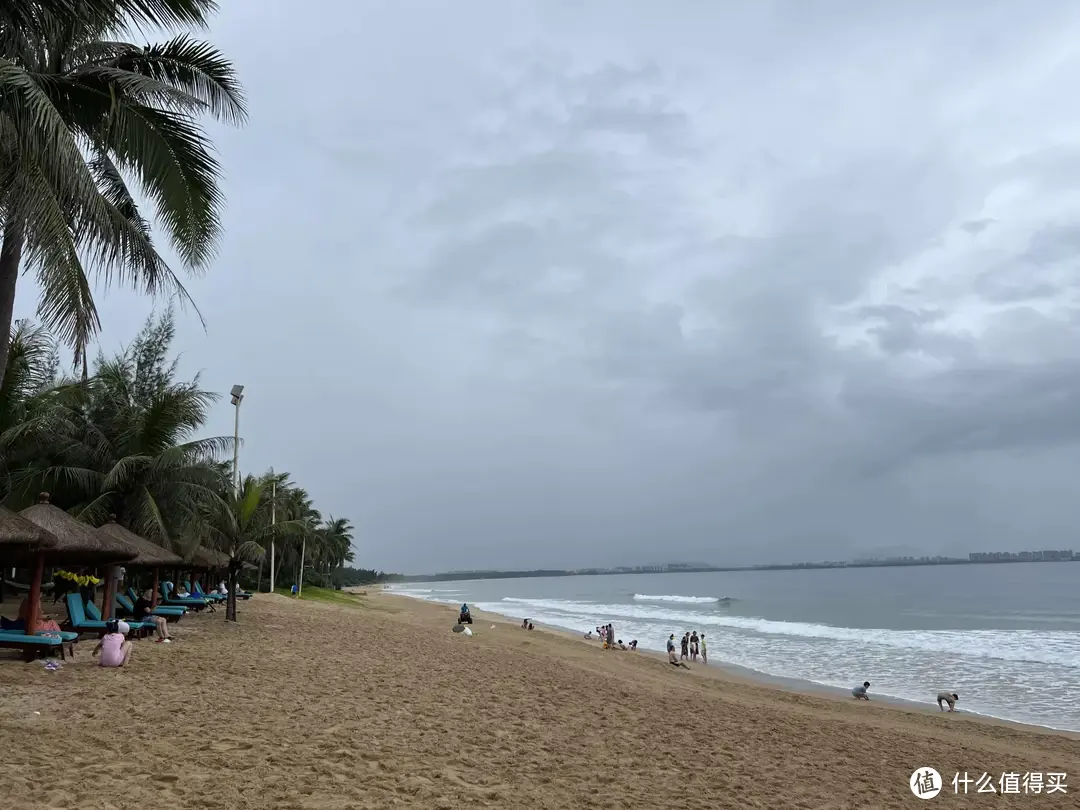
x: 1006, y: 638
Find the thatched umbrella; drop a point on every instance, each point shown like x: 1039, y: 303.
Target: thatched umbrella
x: 21, y: 534
x: 208, y: 560
x: 75, y: 542
x: 148, y: 554
x: 21, y: 537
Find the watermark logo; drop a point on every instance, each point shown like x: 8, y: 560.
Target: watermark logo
x: 925, y: 783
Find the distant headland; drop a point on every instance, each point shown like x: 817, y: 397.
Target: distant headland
x: 975, y: 558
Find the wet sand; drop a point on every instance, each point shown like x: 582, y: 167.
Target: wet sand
x: 309, y: 705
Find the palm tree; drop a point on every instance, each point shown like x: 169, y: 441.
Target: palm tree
x: 124, y: 443
x: 241, y: 528
x: 80, y: 116
x: 335, y: 545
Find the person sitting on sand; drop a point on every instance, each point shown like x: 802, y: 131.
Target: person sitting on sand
x: 530, y: 625
x: 621, y: 645
x: 947, y: 697
x: 859, y: 692
x: 144, y: 612
x: 672, y: 657
x: 524, y: 624
x: 114, y: 648
x: 588, y: 635
x: 633, y: 645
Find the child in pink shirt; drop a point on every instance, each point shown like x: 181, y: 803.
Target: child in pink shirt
x: 114, y: 648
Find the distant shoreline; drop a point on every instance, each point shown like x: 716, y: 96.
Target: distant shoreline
x: 456, y: 576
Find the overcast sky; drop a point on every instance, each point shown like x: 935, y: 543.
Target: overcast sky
x: 559, y: 284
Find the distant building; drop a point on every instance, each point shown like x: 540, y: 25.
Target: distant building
x: 1046, y: 555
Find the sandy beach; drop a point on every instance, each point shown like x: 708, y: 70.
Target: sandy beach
x: 378, y: 704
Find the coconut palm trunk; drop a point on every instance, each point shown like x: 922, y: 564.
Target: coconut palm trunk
x: 230, y: 603
x: 10, y: 257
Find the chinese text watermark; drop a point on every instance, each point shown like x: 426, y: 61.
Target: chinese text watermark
x: 926, y: 783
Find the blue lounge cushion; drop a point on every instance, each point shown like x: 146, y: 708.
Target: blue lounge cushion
x: 23, y: 639
x: 125, y: 603
x: 77, y: 614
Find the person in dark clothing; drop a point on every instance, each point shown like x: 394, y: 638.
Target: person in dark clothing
x: 685, y: 644
x: 144, y: 612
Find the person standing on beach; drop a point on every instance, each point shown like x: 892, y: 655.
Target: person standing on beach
x: 685, y: 644
x: 859, y: 692
x: 947, y: 697
x: 704, y: 652
x: 693, y: 646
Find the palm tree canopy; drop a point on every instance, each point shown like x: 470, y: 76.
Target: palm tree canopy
x: 83, y: 116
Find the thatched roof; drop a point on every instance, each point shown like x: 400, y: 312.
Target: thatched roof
x: 22, y: 534
x: 208, y: 559
x: 75, y: 541
x: 148, y: 553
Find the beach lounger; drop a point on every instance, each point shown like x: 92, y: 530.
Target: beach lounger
x: 221, y: 597
x: 215, y: 597
x: 199, y: 593
x: 192, y: 603
x: 18, y: 628
x: 33, y: 646
x: 77, y: 618
x: 138, y: 629
x: 170, y: 613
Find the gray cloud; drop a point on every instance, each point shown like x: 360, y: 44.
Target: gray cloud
x: 547, y: 285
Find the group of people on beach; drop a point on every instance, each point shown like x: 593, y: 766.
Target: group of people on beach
x: 943, y: 698
x: 691, y: 646
x: 606, y: 634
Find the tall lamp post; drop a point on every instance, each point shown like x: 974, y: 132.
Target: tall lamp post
x: 300, y: 576
x: 237, y: 394
x: 273, y: 523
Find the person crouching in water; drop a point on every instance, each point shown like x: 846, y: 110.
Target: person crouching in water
x: 114, y: 648
x: 859, y: 692
x: 947, y: 697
